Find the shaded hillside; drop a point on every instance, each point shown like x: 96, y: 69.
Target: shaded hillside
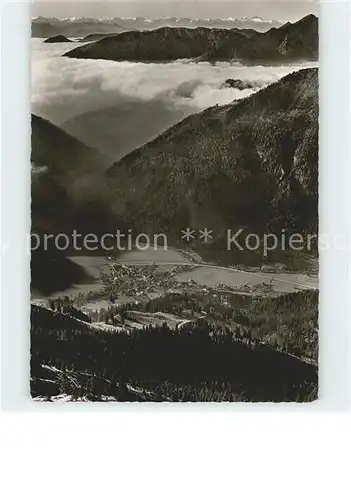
x: 162, y: 44
x: 69, y: 164
x: 291, y: 42
x: 251, y: 164
x: 255, y: 23
x: 68, y: 176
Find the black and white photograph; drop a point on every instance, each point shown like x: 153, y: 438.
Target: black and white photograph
x: 174, y: 202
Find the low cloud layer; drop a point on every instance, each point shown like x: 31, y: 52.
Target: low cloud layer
x: 64, y: 88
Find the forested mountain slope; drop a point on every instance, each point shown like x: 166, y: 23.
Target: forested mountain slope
x: 252, y: 163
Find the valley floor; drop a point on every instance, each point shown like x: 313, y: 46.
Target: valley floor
x: 267, y: 320
x: 185, y: 268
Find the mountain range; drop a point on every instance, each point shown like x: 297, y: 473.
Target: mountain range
x: 43, y: 27
x: 288, y: 43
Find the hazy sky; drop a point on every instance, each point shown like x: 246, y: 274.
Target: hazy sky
x: 280, y: 9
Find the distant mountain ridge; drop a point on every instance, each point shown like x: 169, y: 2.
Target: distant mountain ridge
x: 252, y: 163
x: 288, y: 43
x: 82, y: 26
x: 49, y: 27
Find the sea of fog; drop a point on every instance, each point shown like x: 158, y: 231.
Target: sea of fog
x: 65, y: 90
